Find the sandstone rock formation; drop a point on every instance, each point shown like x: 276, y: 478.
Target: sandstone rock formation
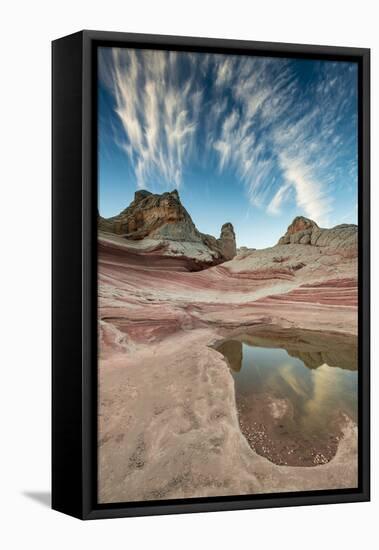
x: 164, y: 218
x: 154, y: 216
x: 168, y: 422
x: 227, y: 241
x: 305, y: 231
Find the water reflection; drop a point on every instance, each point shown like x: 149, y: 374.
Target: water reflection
x: 294, y: 391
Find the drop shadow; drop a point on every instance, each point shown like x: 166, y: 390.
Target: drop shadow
x: 41, y: 497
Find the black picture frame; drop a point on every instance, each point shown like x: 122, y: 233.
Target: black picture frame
x: 74, y: 273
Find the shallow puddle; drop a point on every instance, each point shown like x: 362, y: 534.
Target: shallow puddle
x: 294, y: 391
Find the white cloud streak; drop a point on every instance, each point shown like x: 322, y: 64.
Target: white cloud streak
x: 274, y: 206
x: 279, y: 136
x: 156, y: 114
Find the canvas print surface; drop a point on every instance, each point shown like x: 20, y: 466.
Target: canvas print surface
x: 227, y: 275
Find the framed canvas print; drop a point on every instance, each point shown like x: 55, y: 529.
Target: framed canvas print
x: 210, y: 275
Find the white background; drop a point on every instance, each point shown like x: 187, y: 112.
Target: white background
x: 27, y: 27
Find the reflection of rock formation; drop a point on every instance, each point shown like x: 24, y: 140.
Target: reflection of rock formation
x: 316, y: 349
x: 152, y: 304
x: 305, y: 231
x: 163, y: 217
x: 313, y: 348
x: 232, y: 350
x: 344, y: 358
x: 290, y: 415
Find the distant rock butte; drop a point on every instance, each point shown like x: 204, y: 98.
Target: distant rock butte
x: 305, y: 231
x: 160, y: 222
x: 164, y: 218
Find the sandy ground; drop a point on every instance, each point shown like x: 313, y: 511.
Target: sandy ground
x: 168, y: 421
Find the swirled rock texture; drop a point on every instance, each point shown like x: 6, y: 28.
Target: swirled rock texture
x: 163, y: 218
x: 168, y: 424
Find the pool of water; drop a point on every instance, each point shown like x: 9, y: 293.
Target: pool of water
x: 294, y: 393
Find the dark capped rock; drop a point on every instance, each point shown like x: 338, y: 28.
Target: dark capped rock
x: 163, y: 217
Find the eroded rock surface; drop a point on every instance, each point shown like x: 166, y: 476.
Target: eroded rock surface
x: 305, y: 231
x: 168, y: 426
x: 163, y: 218
x: 227, y: 241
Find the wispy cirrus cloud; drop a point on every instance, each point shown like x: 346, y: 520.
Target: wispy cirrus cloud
x: 289, y: 127
x: 275, y: 205
x: 281, y: 127
x: 157, y: 112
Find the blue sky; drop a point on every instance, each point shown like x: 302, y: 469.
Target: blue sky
x: 254, y: 141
